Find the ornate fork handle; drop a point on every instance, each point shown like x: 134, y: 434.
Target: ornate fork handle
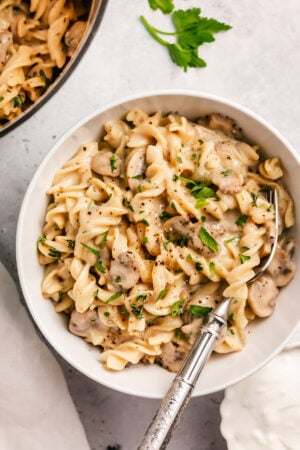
x: 160, y: 430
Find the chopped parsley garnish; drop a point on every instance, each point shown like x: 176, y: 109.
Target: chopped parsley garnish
x: 230, y: 317
x: 45, y: 79
x: 53, y: 253
x: 178, y: 159
x: 114, y: 296
x: 106, y: 313
x: 226, y: 172
x: 138, y: 177
x: 200, y: 311
x: 103, y: 239
x: 127, y: 204
x: 201, y: 190
x: 112, y: 162
x: 145, y: 240
x: 244, y: 258
x: 71, y: 243
x: 118, y: 279
x: 166, y: 6
x: 244, y: 248
x: 172, y: 204
x: 232, y: 239
x: 191, y: 31
x: 141, y: 297
x: 208, y: 240
x: 145, y: 222
x: 198, y: 265
x: 95, y: 293
x: 165, y: 216
x: 254, y: 199
x: 41, y: 239
x: 100, y: 267
x: 137, y: 310
x: 17, y: 101
x: 241, y: 220
x: 124, y: 311
x: 162, y: 293
x: 212, y: 268
x: 91, y: 249
x: 1, y: 98
x: 91, y: 204
x: 203, y: 218
x: 177, y: 308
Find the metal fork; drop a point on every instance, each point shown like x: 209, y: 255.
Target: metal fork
x: 173, y: 404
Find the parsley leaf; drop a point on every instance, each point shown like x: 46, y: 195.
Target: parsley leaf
x: 176, y: 308
x: 17, y: 101
x: 212, y: 268
x: 71, y: 243
x: 165, y: 216
x: 191, y: 31
x: 200, y: 311
x: 208, y: 240
x: 166, y: 6
x: 99, y: 266
x: 54, y: 253
x: 244, y: 258
x: 114, y: 297
x: 90, y: 249
x: 137, y: 311
x: 103, y: 239
x: 241, y: 220
x: 45, y: 79
x: 112, y: 163
x: 162, y: 294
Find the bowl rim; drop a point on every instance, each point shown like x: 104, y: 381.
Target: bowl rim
x: 63, y: 75
x: 31, y: 186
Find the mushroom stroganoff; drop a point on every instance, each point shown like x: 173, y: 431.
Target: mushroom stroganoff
x: 148, y: 228
x: 37, y: 38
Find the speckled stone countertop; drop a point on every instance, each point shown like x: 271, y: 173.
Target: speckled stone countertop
x: 255, y: 64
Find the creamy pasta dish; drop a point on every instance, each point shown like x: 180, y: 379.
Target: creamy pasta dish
x: 37, y: 37
x: 149, y: 228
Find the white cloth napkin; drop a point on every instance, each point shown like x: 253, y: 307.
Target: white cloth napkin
x: 36, y: 410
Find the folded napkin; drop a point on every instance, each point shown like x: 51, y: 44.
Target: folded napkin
x: 36, y: 410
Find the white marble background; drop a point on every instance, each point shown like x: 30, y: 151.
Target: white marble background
x: 256, y: 64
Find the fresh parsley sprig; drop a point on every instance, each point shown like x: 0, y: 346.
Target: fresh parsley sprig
x: 166, y: 6
x: 191, y: 31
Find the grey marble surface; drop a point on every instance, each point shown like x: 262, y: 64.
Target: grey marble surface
x: 256, y: 64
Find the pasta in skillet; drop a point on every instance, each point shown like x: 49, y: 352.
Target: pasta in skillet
x: 36, y: 39
x: 147, y: 229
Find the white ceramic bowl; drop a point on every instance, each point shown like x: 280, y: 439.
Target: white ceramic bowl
x: 265, y: 337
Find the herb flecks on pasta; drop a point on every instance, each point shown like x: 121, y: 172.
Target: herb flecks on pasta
x: 147, y: 229
x: 36, y: 40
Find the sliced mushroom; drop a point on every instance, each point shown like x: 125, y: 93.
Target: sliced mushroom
x: 282, y: 268
x: 172, y: 356
x: 124, y: 271
x: 262, y: 296
x: 81, y: 323
x: 225, y: 124
x: 136, y: 167
x: 106, y: 163
x: 6, y: 41
x: 74, y: 35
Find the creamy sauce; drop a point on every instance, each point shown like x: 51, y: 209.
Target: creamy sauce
x: 263, y: 411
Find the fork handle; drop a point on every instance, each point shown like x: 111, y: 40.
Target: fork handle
x: 164, y: 422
